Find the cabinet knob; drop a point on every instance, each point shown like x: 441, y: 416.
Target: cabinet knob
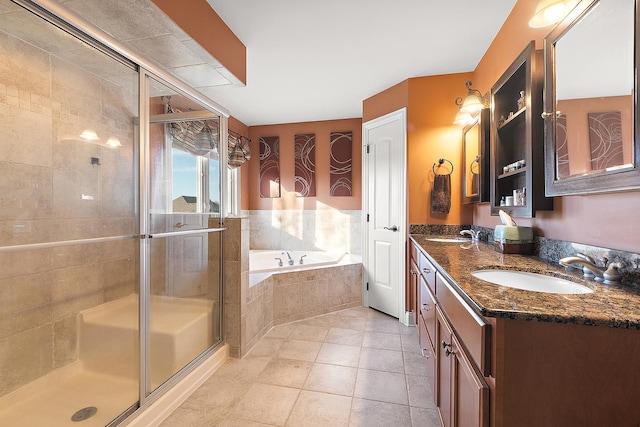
x: 426, y: 307
x: 423, y: 353
x: 426, y: 270
x: 445, y: 344
x: 448, y: 352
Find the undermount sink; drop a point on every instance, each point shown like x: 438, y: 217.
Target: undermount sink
x: 531, y: 281
x: 448, y: 239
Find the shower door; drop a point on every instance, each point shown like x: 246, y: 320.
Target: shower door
x: 68, y: 227
x: 183, y: 229
x: 109, y: 266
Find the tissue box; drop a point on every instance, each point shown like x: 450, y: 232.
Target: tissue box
x: 514, y: 239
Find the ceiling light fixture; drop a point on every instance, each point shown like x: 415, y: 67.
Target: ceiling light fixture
x: 550, y: 12
x: 114, y: 142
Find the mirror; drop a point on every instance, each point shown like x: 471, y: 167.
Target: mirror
x: 590, y: 99
x: 475, y: 153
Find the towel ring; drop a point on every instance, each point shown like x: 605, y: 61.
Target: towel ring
x: 440, y: 163
x: 477, y: 163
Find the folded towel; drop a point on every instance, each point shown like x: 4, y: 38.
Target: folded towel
x: 441, y: 194
x: 475, y: 183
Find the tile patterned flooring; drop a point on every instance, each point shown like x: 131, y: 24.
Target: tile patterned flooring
x: 355, y: 367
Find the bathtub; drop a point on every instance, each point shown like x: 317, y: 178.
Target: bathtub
x: 264, y: 261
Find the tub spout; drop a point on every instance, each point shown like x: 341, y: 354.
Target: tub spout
x: 301, y: 260
x: 290, y: 260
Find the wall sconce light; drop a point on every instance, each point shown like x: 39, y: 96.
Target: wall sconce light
x: 474, y: 101
x: 461, y: 118
x: 469, y: 107
x: 550, y: 12
x: 89, y: 135
x: 114, y: 142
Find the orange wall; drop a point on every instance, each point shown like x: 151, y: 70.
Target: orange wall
x: 205, y: 26
x: 431, y: 135
x: 288, y: 199
x: 606, y: 220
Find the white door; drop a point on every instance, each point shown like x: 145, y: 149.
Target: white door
x: 384, y: 193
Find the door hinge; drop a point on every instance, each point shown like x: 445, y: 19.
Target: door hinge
x: 368, y: 148
x: 367, y: 217
x: 367, y: 285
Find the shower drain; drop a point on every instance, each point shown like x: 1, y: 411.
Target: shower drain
x: 84, y: 414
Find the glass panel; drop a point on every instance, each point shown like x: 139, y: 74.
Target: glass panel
x: 185, y: 175
x: 184, y: 269
x: 69, y: 329
x: 184, y: 307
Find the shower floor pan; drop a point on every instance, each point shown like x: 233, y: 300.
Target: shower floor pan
x: 106, y: 374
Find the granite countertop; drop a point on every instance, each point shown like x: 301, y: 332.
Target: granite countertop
x: 616, y: 306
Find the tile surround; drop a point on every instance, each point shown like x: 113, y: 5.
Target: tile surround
x: 256, y: 302
x: 307, y: 230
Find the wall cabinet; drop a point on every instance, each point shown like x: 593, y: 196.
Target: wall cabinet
x: 517, y: 137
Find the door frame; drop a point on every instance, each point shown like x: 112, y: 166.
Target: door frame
x: 401, y: 116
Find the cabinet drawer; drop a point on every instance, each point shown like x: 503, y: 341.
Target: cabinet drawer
x: 413, y: 250
x: 428, y: 271
x: 427, y: 308
x: 426, y: 348
x: 473, y: 330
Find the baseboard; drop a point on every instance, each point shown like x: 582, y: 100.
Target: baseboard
x: 409, y: 319
x: 160, y: 409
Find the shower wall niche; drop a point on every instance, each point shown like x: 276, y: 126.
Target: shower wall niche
x: 79, y: 274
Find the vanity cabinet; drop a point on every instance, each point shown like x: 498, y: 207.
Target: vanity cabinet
x: 462, y: 393
x: 517, y: 137
x: 444, y: 323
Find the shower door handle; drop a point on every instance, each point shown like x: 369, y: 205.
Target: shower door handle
x: 393, y: 228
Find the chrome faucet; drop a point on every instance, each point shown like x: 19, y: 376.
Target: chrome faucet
x: 301, y: 259
x: 290, y: 260
x: 475, y: 235
x: 280, y: 264
x: 609, y: 274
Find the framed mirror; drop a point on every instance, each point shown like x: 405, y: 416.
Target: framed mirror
x: 590, y: 99
x: 475, y: 153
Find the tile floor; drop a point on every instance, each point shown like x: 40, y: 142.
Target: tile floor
x: 355, y: 367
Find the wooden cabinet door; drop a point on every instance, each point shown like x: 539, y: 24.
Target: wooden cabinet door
x: 412, y: 296
x: 427, y: 309
x: 444, y: 378
x: 470, y: 392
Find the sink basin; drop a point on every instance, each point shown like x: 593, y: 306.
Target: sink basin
x: 531, y: 281
x: 449, y: 239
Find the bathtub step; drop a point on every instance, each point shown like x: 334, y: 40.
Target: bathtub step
x: 180, y: 329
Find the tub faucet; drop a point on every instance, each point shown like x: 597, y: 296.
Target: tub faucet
x: 301, y: 260
x: 280, y: 264
x: 290, y: 260
x: 475, y: 235
x: 609, y: 274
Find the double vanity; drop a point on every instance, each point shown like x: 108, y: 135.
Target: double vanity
x: 562, y: 355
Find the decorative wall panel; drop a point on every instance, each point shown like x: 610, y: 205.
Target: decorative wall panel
x: 562, y: 149
x: 269, y: 166
x: 605, y: 137
x: 305, y: 165
x: 341, y: 163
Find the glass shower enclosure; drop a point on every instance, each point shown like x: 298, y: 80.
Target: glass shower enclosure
x: 110, y: 225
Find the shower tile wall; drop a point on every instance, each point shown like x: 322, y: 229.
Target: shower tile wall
x: 307, y: 230
x: 51, y: 191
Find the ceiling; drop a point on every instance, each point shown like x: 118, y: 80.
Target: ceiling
x: 318, y: 60
x: 306, y: 60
